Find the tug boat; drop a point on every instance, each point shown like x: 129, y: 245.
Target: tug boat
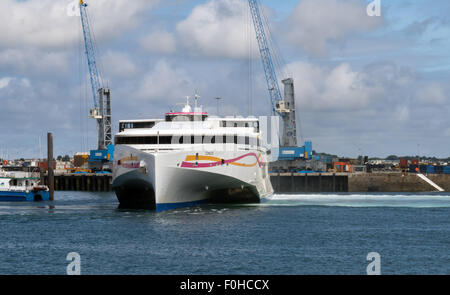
x: 21, y: 186
x: 189, y: 158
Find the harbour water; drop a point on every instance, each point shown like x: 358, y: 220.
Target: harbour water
x: 286, y: 234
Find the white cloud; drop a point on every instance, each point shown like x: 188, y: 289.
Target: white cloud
x: 159, y: 42
x: 45, y: 23
x: 344, y: 88
x: 340, y: 87
x: 34, y: 108
x: 165, y: 84
x: 28, y: 60
x: 22, y: 82
x: 314, y: 23
x: 374, y: 106
x: 219, y: 28
x: 4, y: 82
x: 118, y: 64
x: 38, y: 38
x: 433, y: 94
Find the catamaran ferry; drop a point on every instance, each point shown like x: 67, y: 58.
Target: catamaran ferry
x: 189, y: 158
x: 16, y: 185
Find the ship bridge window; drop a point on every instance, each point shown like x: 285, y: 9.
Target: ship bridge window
x: 185, y: 117
x: 142, y: 140
x: 135, y: 125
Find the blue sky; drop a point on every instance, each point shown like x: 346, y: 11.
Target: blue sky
x: 364, y: 85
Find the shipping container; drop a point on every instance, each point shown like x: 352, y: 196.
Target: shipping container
x: 403, y: 163
x: 44, y: 165
x: 423, y: 168
x: 80, y: 159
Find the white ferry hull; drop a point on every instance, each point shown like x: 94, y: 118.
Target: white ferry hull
x: 167, y: 180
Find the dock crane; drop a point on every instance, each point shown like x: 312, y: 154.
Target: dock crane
x: 282, y: 106
x: 101, y: 111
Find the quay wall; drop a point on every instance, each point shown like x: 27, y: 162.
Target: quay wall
x: 395, y: 182
x: 82, y: 182
x: 356, y: 182
x: 309, y: 182
x: 290, y: 182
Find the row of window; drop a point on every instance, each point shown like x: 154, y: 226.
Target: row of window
x: 219, y: 139
x: 150, y: 124
x: 170, y: 118
x: 239, y: 124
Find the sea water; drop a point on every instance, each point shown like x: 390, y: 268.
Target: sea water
x: 284, y: 234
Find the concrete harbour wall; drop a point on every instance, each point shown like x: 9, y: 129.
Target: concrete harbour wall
x: 292, y: 182
x: 82, y: 182
x: 395, y: 182
x: 309, y: 182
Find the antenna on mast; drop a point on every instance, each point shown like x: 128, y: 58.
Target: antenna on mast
x: 196, y: 97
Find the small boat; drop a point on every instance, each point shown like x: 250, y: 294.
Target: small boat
x: 16, y: 185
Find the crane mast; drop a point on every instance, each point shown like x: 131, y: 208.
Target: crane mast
x: 101, y: 95
x: 285, y: 108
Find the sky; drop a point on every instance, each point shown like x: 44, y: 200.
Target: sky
x: 364, y: 85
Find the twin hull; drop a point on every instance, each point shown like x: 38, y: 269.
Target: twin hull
x: 171, y: 179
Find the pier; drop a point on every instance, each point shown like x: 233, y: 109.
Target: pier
x: 281, y: 182
x: 309, y: 182
x: 286, y: 183
x: 82, y: 182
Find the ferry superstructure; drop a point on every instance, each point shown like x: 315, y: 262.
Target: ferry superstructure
x: 189, y: 158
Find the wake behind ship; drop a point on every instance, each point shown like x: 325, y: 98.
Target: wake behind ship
x: 189, y: 158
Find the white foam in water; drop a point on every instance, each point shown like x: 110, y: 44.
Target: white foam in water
x: 360, y: 200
